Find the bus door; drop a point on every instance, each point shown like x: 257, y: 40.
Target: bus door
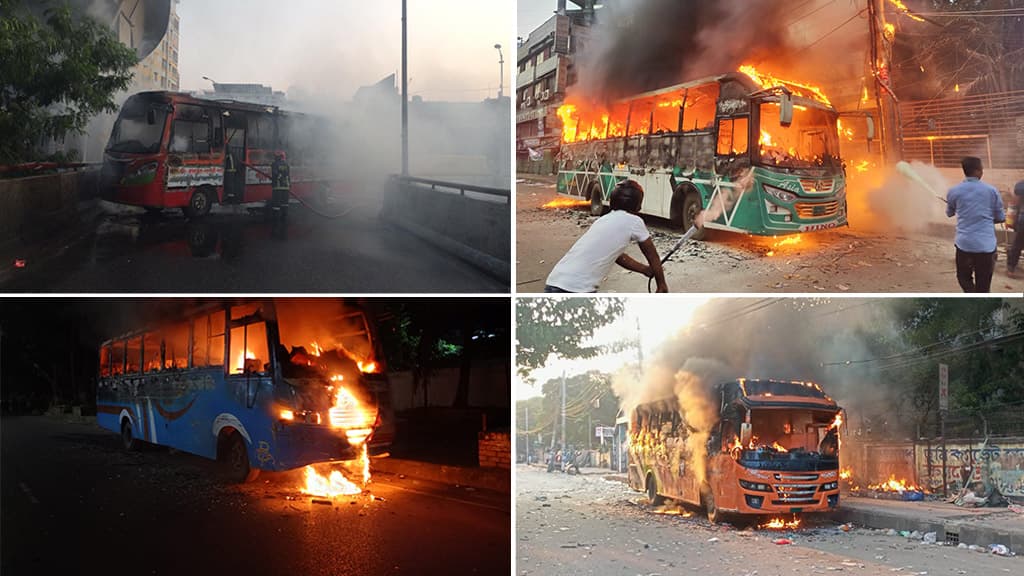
x: 250, y: 357
x: 234, y: 159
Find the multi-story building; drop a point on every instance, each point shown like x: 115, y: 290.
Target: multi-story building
x: 159, y: 70
x: 246, y: 92
x: 546, y: 69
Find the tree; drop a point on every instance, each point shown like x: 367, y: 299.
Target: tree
x: 560, y: 326
x: 54, y: 77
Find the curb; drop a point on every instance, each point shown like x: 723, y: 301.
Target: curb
x: 495, y: 267
x: 496, y: 479
x: 963, y: 529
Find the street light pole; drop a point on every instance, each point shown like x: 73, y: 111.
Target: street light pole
x: 405, y: 94
x: 501, y: 72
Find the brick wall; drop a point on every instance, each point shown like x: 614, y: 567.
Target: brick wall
x: 495, y: 450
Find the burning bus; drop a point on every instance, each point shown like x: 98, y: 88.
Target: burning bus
x: 760, y: 155
x: 172, y: 150
x: 773, y: 449
x: 256, y: 385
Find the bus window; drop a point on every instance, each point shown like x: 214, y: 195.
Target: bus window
x: 640, y: 118
x: 249, y: 353
x: 105, y: 360
x: 732, y: 136
x: 134, y: 355
x: 176, y: 347
x: 191, y: 131
x: 217, y: 325
x: 117, y: 358
x: 201, y: 342
x: 151, y: 357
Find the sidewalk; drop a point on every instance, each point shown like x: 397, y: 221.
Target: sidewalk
x: 951, y: 524
x: 495, y: 479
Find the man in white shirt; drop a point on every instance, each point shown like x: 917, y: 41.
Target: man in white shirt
x: 605, y: 243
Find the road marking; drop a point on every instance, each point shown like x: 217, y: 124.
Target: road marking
x: 28, y: 492
x: 449, y: 498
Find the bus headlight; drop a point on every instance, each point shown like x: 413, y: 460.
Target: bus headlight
x: 757, y: 486
x: 829, y: 486
x: 779, y: 193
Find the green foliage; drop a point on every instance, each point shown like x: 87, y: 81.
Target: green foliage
x: 54, y: 77
x: 560, y: 326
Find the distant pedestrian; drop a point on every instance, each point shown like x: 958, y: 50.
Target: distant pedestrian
x: 1013, y: 255
x: 605, y: 243
x: 978, y: 208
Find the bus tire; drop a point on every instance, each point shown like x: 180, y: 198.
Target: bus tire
x: 128, y: 441
x: 653, y: 497
x: 707, y: 498
x: 199, y: 203
x: 596, y: 199
x: 234, y: 458
x: 686, y: 204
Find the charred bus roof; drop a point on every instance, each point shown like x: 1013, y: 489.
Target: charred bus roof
x: 739, y: 78
x: 771, y: 393
x: 187, y: 98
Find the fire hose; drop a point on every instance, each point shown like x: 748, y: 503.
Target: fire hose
x: 301, y: 201
x: 675, y: 248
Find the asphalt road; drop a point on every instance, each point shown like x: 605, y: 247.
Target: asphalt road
x: 241, y: 250
x: 589, y: 525
x: 75, y: 503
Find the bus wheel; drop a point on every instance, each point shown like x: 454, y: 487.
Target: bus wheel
x: 199, y: 204
x: 596, y: 199
x: 127, y: 440
x: 652, y: 492
x: 235, y: 459
x: 691, y: 207
x: 708, y: 498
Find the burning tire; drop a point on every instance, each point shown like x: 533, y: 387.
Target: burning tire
x: 199, y: 204
x: 128, y: 441
x: 596, y: 199
x: 652, y: 492
x: 234, y: 458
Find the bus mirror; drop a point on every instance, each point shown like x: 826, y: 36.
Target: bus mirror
x: 786, y: 112
x: 746, y: 433
x: 150, y: 116
x: 218, y: 137
x: 871, y: 127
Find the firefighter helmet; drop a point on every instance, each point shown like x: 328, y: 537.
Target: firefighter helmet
x: 627, y: 195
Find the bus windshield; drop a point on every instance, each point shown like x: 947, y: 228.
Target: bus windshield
x: 810, y: 141
x: 133, y: 133
x: 326, y: 337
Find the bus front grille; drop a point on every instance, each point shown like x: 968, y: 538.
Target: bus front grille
x: 817, y: 186
x: 807, y: 210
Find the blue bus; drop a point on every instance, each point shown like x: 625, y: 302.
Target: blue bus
x: 255, y: 384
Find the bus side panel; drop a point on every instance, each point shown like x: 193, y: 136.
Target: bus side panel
x: 724, y: 482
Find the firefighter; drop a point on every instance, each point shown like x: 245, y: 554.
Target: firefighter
x: 280, y: 182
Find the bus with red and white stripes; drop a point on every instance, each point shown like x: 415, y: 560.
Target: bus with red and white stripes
x: 173, y: 150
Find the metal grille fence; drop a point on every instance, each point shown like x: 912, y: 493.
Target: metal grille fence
x: 989, y: 126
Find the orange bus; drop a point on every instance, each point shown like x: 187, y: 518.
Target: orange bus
x: 773, y: 450
x: 172, y: 150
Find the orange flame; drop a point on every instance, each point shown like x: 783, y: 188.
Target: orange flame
x: 779, y: 447
x: 566, y: 203
x: 904, y: 10
x: 893, y: 485
x: 350, y: 415
x: 846, y: 473
x: 766, y: 80
x: 787, y: 241
x: 336, y: 484
x: 781, y: 524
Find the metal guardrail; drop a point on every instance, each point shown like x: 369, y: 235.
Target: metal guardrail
x: 455, y: 186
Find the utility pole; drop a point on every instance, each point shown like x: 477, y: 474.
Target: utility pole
x: 527, y: 427
x: 405, y: 93
x: 501, y: 72
x: 563, y: 412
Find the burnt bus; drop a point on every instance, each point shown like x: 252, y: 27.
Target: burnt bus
x: 774, y: 450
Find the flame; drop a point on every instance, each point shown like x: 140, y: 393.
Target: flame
x: 787, y: 241
x: 336, y: 484
x: 864, y: 98
x: 844, y: 132
x: 837, y: 422
x: 368, y: 367
x: 893, y: 485
x: 781, y: 524
x: 890, y: 30
x: 862, y: 166
x: 242, y: 357
x: 349, y: 414
x: 566, y: 203
x: 956, y: 88
x: 766, y: 138
x: 317, y: 350
x: 766, y: 80
x: 904, y: 10
x: 778, y: 447
x: 846, y: 473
